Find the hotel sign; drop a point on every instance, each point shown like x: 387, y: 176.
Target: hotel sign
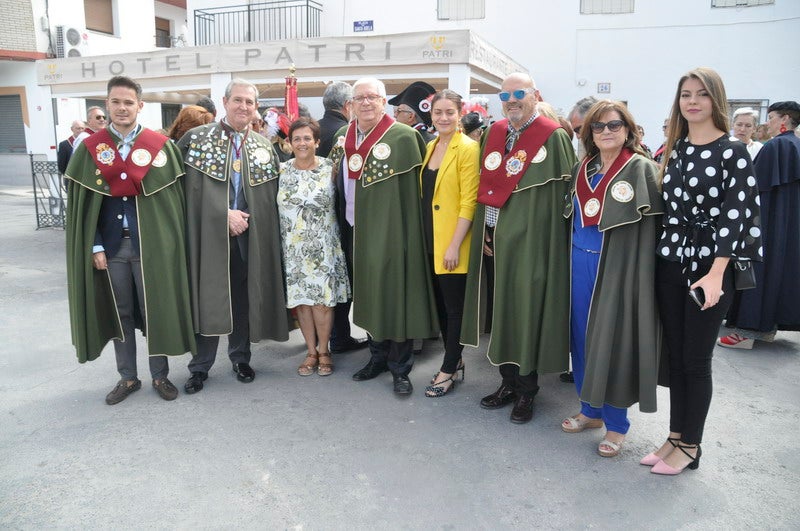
x: 458, y: 46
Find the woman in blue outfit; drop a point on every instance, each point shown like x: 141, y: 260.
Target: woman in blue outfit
x: 614, y: 327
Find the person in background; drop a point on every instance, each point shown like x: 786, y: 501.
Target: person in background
x: 762, y: 133
x: 472, y: 125
x: 337, y: 103
x: 208, y: 104
x: 644, y: 147
x: 316, y: 272
x: 526, y: 161
x: 413, y: 108
x: 449, y: 183
x: 745, y: 121
x: 773, y: 304
x: 233, y: 237
x: 189, y: 117
x: 658, y: 155
x: 711, y: 218
x: 65, y: 146
x: 576, y: 117
x: 126, y: 256
x: 614, y: 328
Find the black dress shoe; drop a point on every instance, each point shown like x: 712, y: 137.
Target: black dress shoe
x: 370, y: 371
x: 195, y: 382
x: 402, y: 385
x: 244, y: 373
x: 504, y: 395
x: 567, y: 377
x: 348, y: 345
x: 523, y: 410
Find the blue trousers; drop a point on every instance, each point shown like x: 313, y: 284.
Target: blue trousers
x: 584, y: 274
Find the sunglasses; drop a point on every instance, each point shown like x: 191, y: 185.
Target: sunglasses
x: 99, y: 117
x: 518, y: 94
x: 613, y: 126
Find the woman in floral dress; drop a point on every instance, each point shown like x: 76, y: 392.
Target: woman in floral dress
x: 316, y: 273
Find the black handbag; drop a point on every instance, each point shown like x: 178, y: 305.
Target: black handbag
x: 744, y: 276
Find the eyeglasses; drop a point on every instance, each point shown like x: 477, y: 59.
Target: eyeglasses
x: 99, y: 117
x: 370, y: 98
x: 518, y: 94
x: 613, y: 126
x: 398, y: 111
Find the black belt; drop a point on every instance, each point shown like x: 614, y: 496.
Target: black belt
x: 126, y: 233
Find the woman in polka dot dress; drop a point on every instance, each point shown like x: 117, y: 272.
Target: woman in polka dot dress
x: 711, y: 216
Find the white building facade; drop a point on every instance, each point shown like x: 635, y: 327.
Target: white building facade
x: 631, y: 50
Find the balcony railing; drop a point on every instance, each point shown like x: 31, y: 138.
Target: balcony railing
x: 266, y: 21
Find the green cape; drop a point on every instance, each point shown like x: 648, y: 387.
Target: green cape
x: 207, y: 200
x: 392, y: 291
x: 160, y: 210
x: 530, y: 324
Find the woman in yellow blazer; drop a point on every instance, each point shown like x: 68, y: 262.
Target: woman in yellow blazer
x: 449, y: 185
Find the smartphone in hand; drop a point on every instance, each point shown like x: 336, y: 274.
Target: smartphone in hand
x: 697, y: 296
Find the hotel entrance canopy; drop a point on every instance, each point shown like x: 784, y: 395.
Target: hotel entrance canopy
x: 457, y: 59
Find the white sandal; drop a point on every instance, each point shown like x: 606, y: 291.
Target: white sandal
x: 615, y: 448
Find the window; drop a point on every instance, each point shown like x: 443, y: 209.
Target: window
x: 606, y: 7
x: 461, y: 9
x: 99, y: 15
x: 740, y: 3
x: 163, y: 37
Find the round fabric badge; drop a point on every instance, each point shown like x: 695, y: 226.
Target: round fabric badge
x: 425, y: 105
x: 355, y: 162
x: 161, y: 159
x: 261, y: 155
x: 492, y: 160
x: 381, y: 151
x: 622, y: 192
x: 540, y: 155
x: 340, y: 141
x: 105, y: 154
x: 141, y: 157
x: 592, y: 207
x: 237, y: 165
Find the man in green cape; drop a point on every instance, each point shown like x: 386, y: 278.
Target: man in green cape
x: 233, y: 237
x: 525, y: 172
x: 379, y: 161
x: 126, y: 260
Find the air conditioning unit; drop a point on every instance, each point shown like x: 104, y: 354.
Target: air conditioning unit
x: 71, y: 41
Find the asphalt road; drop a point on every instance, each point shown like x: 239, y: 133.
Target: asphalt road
x: 287, y: 452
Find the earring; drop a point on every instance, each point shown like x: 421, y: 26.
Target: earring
x: 783, y: 128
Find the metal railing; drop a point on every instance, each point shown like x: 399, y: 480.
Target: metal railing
x: 266, y: 21
x: 49, y: 194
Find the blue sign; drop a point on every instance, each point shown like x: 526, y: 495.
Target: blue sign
x: 362, y: 25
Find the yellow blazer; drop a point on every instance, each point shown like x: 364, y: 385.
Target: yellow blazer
x: 454, y: 196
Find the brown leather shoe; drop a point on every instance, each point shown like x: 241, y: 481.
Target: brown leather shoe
x: 523, y: 410
x: 122, y: 390
x: 504, y: 395
x: 165, y: 389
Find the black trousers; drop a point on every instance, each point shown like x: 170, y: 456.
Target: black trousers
x: 488, y: 267
x: 523, y: 384
x: 397, y: 355
x: 690, y: 335
x: 448, y: 289
x: 239, y: 338
x: 340, y: 332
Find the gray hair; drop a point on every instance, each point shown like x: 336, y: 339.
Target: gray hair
x: 377, y: 83
x: 582, y: 106
x: 239, y: 82
x: 749, y: 111
x: 336, y: 95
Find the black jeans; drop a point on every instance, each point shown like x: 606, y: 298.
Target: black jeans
x: 449, y: 292
x: 689, y: 335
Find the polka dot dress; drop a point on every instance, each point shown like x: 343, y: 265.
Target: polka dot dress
x: 712, y: 206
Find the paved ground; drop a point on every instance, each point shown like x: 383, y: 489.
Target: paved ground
x: 286, y: 452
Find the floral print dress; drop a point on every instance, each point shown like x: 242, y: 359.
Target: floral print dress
x: 316, y: 272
